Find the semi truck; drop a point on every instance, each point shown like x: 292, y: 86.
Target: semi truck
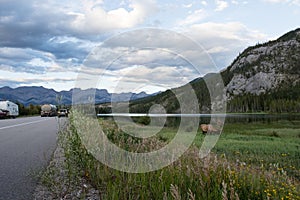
x: 48, y: 110
x: 8, y: 109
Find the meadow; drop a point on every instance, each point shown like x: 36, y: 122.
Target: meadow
x: 250, y: 161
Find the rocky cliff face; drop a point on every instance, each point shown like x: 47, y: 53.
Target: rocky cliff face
x: 265, y: 67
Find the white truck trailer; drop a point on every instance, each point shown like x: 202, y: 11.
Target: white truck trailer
x: 11, y: 109
x: 48, y: 110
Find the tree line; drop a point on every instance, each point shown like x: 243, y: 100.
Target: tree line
x: 286, y: 99
x: 29, y: 110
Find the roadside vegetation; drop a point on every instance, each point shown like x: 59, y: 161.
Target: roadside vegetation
x: 29, y: 110
x: 250, y: 161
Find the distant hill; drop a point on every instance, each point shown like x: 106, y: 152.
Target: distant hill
x: 263, y: 78
x: 40, y: 95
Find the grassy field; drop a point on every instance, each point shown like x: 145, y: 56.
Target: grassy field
x: 264, y: 145
x: 250, y: 161
x: 257, y: 144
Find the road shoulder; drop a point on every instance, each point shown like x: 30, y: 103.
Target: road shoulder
x: 62, y: 179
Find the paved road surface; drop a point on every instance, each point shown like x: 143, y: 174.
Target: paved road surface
x: 26, y: 145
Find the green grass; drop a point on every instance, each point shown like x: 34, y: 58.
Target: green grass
x: 250, y: 161
x: 257, y: 144
x: 263, y: 144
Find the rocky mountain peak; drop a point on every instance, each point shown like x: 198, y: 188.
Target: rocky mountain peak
x: 266, y: 66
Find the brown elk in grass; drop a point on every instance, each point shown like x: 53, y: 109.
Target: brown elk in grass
x: 208, y: 128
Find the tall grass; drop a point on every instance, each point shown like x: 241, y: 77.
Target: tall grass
x: 272, y: 146
x: 215, y: 177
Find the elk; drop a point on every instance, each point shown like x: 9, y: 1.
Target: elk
x: 208, y: 128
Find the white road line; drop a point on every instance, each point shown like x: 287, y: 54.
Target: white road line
x: 23, y: 124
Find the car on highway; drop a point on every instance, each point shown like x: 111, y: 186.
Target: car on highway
x: 62, y: 113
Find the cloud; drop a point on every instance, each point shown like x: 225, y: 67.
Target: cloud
x: 64, y: 47
x: 163, y: 76
x: 204, y: 3
x: 139, y: 78
x: 233, y: 31
x: 290, y: 2
x: 95, y: 19
x: 56, y: 36
x: 296, y: 2
x: 221, y: 5
x: 110, y: 61
x: 20, y: 60
x: 28, y: 23
x: 146, y: 46
x: 193, y: 18
x: 32, y: 81
x: 154, y: 57
x: 27, y: 60
x: 276, y: 1
x: 223, y: 41
x: 187, y: 5
x: 36, y: 80
x: 57, y: 80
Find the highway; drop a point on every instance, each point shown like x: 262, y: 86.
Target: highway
x: 26, y: 146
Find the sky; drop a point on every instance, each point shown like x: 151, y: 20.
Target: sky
x: 131, y: 45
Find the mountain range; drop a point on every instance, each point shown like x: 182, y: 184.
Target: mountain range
x: 263, y: 78
x: 40, y: 95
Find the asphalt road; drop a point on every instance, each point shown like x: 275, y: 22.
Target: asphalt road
x: 26, y: 146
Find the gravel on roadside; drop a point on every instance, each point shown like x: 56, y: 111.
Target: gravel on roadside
x: 62, y: 181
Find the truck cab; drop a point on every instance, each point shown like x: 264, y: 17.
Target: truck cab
x: 63, y: 113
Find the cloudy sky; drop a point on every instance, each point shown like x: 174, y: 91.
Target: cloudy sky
x: 131, y: 45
